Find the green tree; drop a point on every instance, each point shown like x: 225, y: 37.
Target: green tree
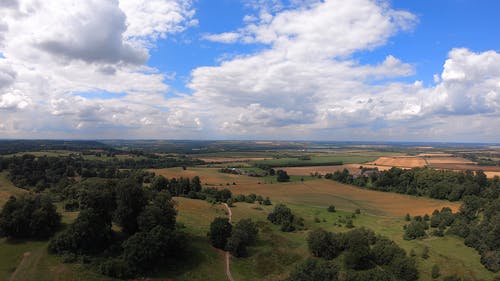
x: 130, y: 201
x: 282, y: 176
x: 220, y: 231
x: 314, y: 270
x: 30, y: 216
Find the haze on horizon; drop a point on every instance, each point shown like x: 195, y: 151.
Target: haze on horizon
x: 361, y: 70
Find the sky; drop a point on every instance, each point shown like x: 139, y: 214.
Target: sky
x: 341, y: 70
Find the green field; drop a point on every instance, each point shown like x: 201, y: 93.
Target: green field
x: 317, y: 161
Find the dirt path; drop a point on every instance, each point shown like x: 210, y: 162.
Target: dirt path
x: 26, y: 255
x: 228, y: 256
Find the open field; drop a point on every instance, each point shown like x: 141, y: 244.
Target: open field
x: 449, y: 160
x: 227, y: 159
x: 300, y: 171
x: 276, y: 253
x: 400, y: 161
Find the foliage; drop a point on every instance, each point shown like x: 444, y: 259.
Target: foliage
x: 89, y: 234
x: 282, y: 176
x: 282, y: 215
x: 314, y: 270
x: 130, y: 201
x: 243, y: 234
x: 220, y: 231
x: 31, y: 216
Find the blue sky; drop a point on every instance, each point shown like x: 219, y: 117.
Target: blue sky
x: 442, y: 26
x: 381, y: 70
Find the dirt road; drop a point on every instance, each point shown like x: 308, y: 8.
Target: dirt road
x: 228, y: 256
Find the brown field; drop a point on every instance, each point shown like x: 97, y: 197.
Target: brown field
x: 436, y: 154
x: 322, y: 193
x: 319, y: 193
x: 449, y: 160
x: 400, y: 161
x: 305, y: 171
x: 229, y: 159
x: 208, y: 176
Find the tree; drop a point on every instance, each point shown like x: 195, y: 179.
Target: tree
x: 89, y: 234
x: 331, y: 208
x: 29, y: 217
x: 435, y: 271
x: 244, y: 233
x: 196, y: 182
x: 314, y: 270
x: 266, y: 202
x: 159, y: 183
x: 414, y: 229
x: 220, y: 231
x: 161, y: 212
x: 282, y: 176
x: 325, y: 244
x: 130, y: 201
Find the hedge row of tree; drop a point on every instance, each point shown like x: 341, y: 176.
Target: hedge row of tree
x: 433, y: 183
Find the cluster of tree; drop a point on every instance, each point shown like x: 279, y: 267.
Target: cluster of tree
x: 252, y: 198
x: 30, y: 216
x: 45, y: 172
x: 282, y: 176
x: 483, y: 159
x: 282, y: 215
x: 429, y: 182
x: 233, y: 239
x: 365, y: 256
x: 148, y: 225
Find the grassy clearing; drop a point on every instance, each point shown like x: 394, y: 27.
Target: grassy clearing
x: 8, y: 189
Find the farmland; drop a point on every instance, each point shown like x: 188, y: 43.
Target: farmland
x: 308, y: 194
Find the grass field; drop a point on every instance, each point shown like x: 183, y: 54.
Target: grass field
x: 317, y: 160
x: 276, y: 253
x: 7, y: 189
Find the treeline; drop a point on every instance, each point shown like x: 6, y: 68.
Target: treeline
x: 15, y: 146
x: 44, y: 172
x: 437, y: 184
x: 365, y: 256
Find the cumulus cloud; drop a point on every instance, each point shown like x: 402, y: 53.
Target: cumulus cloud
x: 54, y: 50
x: 308, y: 82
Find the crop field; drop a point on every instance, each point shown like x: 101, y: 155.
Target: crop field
x: 227, y: 159
x: 449, y: 160
x: 400, y: 161
x: 300, y: 171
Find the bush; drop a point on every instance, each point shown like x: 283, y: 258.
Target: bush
x: 331, y: 209
x: 435, y: 271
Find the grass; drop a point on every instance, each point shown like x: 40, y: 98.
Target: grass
x: 8, y: 189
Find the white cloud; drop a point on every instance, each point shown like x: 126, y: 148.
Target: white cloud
x: 54, y: 50
x: 226, y: 37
